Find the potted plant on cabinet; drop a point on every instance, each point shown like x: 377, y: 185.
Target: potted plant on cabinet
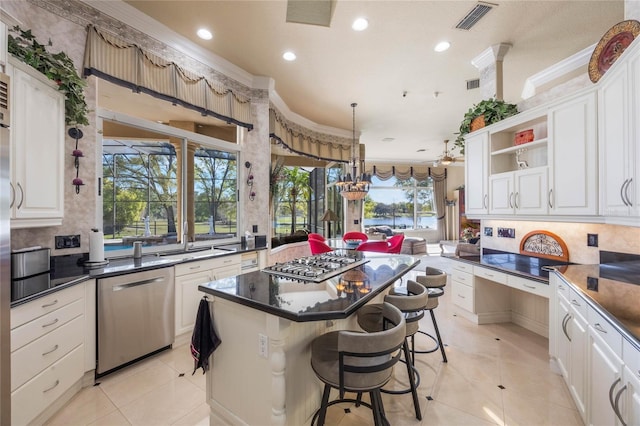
x: 482, y: 114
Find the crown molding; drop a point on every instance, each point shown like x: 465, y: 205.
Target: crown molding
x: 131, y: 16
x: 490, y: 55
x: 557, y: 70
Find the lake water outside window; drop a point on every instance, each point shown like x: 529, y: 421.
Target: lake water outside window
x: 400, y: 204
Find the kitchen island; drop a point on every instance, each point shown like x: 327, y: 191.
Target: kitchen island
x: 261, y: 372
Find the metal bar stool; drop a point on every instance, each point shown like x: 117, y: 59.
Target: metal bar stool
x: 353, y: 361
x: 434, y: 280
x: 412, y: 305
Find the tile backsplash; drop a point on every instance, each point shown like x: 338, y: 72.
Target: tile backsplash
x: 624, y: 239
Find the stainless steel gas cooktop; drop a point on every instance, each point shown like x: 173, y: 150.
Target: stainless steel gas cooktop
x: 316, y: 268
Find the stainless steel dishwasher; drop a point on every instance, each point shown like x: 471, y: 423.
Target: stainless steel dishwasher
x: 135, y: 317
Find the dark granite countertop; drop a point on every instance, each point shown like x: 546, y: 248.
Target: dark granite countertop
x: 310, y: 301
x: 70, y: 270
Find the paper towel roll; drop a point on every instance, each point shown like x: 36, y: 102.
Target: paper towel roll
x: 96, y: 246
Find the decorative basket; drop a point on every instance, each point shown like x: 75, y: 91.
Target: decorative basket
x: 477, y: 123
x: 524, y: 136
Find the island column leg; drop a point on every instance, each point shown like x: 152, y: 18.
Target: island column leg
x: 277, y: 331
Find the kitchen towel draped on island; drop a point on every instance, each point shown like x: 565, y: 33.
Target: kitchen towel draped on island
x: 204, y: 339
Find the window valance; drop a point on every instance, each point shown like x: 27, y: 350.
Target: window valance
x: 307, y: 142
x: 126, y: 64
x: 403, y: 172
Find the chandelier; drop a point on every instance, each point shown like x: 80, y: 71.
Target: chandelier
x: 352, y: 186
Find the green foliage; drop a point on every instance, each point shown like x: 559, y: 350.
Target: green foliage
x: 493, y: 110
x: 130, y: 207
x: 57, y: 67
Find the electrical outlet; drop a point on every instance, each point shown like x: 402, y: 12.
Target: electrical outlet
x: 67, y: 241
x: 263, y: 345
x: 254, y: 228
x: 592, y: 240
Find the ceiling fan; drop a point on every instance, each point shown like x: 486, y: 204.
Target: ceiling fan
x: 447, y: 157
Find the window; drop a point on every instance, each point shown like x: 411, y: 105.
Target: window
x: 144, y: 198
x: 291, y: 195
x: 400, y: 204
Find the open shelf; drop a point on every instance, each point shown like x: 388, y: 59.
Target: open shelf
x: 528, y: 145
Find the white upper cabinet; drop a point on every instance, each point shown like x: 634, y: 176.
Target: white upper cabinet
x: 37, y: 149
x: 618, y: 133
x: 573, y: 154
x: 476, y: 165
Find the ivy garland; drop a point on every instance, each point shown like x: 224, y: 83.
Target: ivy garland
x: 57, y: 67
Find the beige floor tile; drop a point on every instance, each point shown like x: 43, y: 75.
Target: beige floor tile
x: 179, y: 358
x: 523, y: 411
x: 199, y: 416
x: 165, y: 404
x: 146, y: 364
x: 86, y: 406
x: 114, y: 419
x: 134, y: 386
x: 437, y: 414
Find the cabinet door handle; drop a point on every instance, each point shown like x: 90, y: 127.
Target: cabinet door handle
x: 622, y: 187
x: 511, y: 200
x: 50, y: 324
x: 484, y: 201
x: 461, y: 296
x: 565, y: 321
x: 626, y: 192
x: 613, y: 386
x: 195, y: 267
x: 598, y: 327
x: 574, y: 302
x: 616, y: 407
x: 50, y: 304
x: 530, y: 286
x: 51, y: 388
x: 13, y: 195
x: 55, y: 348
x: 516, y: 199
x: 21, y: 195
x: 551, y: 198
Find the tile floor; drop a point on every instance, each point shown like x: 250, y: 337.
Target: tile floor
x: 496, y: 375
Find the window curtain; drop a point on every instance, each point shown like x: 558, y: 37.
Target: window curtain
x: 302, y: 141
x: 440, y: 194
x: 402, y: 172
x: 126, y: 64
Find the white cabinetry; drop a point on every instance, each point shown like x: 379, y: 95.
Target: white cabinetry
x: 189, y: 276
x: 37, y: 148
x: 462, y: 286
x: 3, y: 46
x: 47, y: 351
x: 573, y: 156
x: 618, y: 133
x: 521, y: 192
x: 476, y: 174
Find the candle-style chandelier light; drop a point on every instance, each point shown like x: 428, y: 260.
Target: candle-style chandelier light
x: 354, y: 186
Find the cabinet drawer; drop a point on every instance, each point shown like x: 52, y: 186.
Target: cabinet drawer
x: 33, y: 397
x: 462, y: 277
x: 605, y: 330
x: 461, y: 266
x: 578, y: 303
x: 563, y: 289
x: 534, y: 287
x: 462, y: 296
x: 192, y: 267
x: 223, y: 262
x: 32, y: 330
x: 490, y: 274
x: 32, y: 310
x: 229, y: 271
x: 29, y: 360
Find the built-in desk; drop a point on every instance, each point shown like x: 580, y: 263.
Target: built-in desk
x: 261, y: 373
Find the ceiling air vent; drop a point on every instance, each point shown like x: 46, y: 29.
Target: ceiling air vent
x: 474, y: 16
x: 473, y: 84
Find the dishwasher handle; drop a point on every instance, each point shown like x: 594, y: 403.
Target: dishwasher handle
x: 137, y: 283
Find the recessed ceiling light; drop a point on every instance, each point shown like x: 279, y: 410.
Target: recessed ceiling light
x: 360, y: 24
x: 289, y: 56
x: 442, y: 46
x: 204, y: 34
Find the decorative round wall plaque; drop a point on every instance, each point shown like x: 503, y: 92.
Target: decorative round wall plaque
x: 611, y: 46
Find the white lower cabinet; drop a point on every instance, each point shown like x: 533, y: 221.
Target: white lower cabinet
x: 189, y: 276
x: 47, y: 351
x: 605, y: 379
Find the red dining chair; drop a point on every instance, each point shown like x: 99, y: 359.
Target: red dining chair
x: 355, y: 235
x: 377, y: 246
x: 314, y: 236
x: 318, y: 247
x: 395, y: 243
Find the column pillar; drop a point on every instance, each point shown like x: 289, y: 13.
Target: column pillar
x: 190, y: 169
x: 489, y: 63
